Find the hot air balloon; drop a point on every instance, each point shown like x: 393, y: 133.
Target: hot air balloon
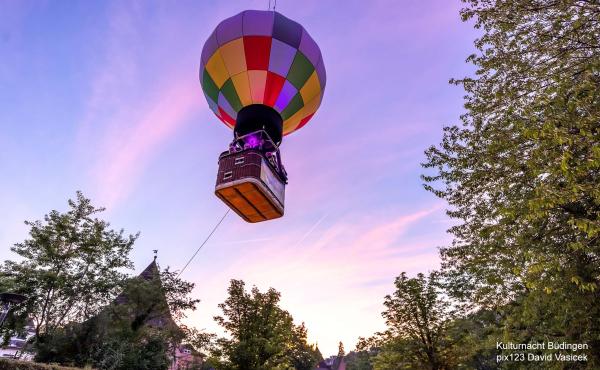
x: 263, y: 76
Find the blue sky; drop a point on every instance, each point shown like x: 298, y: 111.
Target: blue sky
x: 103, y: 97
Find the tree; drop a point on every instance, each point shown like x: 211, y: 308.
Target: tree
x: 71, y: 271
x: 201, y: 341
x: 364, y: 353
x: 521, y: 174
x: 418, y: 316
x: 427, y: 330
x: 136, y: 331
x: 262, y: 334
x: 70, y: 267
x: 358, y: 360
x: 302, y: 355
x: 177, y: 294
x: 341, y: 352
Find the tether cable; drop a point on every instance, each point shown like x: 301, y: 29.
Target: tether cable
x: 204, y: 242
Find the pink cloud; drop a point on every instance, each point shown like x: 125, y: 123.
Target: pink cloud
x: 333, y: 276
x: 128, y: 117
x: 130, y: 148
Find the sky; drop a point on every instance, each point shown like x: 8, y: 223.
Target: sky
x: 104, y: 97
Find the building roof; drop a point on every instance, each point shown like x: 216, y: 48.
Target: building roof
x: 159, y: 315
x: 150, y: 273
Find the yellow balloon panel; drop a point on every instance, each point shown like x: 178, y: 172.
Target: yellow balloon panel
x: 312, y: 106
x: 311, y: 88
x: 242, y: 86
x: 290, y: 124
x: 217, y: 70
x: 234, y: 57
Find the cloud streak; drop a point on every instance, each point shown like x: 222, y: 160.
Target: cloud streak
x: 128, y: 118
x: 338, y: 275
x: 128, y: 149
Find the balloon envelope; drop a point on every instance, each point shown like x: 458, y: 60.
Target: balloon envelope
x: 262, y: 57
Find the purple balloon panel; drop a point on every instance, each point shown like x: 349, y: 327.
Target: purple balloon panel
x: 230, y: 29
x: 282, y: 56
x: 287, y: 30
x: 309, y: 48
x: 321, y: 73
x: 224, y: 104
x: 258, y: 23
x: 288, y: 91
x: 210, y: 46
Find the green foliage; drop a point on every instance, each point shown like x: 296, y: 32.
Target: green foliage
x: 365, y: 352
x: 70, y: 267
x: 341, y: 352
x: 22, y: 365
x: 71, y: 272
x: 115, y: 349
x: 418, y: 317
x: 200, y: 341
x: 358, y: 360
x: 145, y: 350
x: 400, y: 353
x: 177, y: 293
x: 426, y: 330
x: 261, y: 334
x: 521, y: 174
x: 301, y: 355
x: 135, y: 332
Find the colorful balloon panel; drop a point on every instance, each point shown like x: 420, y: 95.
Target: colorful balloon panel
x: 262, y: 57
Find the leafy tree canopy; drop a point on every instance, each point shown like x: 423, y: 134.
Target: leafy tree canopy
x: 136, y: 331
x: 521, y: 173
x: 70, y: 266
x: 85, y: 308
x: 341, y: 351
x: 418, y: 316
x: 262, y: 334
